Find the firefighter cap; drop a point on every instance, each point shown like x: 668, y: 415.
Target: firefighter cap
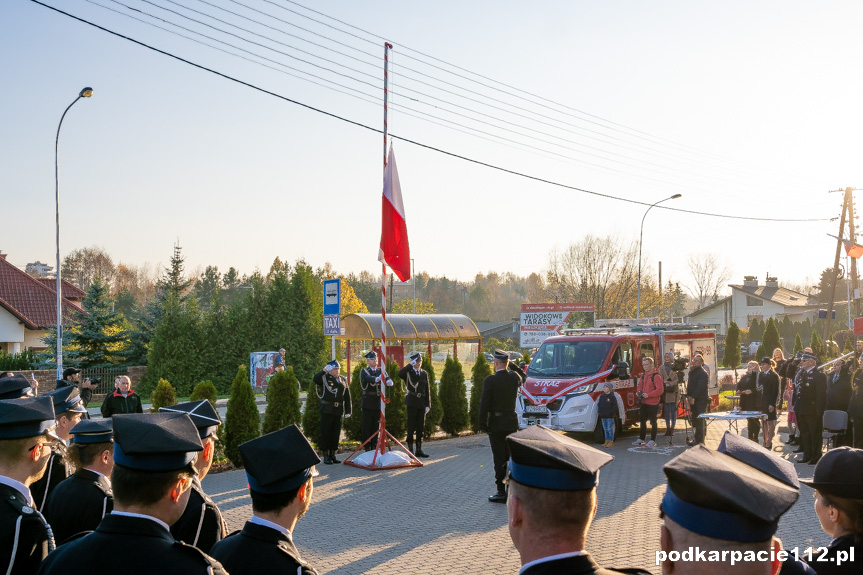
x: 371, y: 355
x: 279, y: 461
x: 66, y: 399
x: 26, y: 417
x: 15, y: 387
x: 203, y: 415
x: 93, y: 431
x: 752, y: 454
x: 540, y: 457
x: 715, y: 495
x: 155, y: 441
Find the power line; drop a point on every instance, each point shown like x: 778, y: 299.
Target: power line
x: 414, y: 142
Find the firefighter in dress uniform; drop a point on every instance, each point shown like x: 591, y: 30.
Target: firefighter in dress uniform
x: 280, y: 467
x: 810, y: 397
x: 417, y: 400
x: 154, y: 456
x: 370, y: 382
x: 26, y: 433
x: 201, y: 524
x: 69, y: 408
x: 81, y: 500
x: 497, y: 415
x: 335, y: 399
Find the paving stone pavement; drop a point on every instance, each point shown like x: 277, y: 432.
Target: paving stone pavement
x: 437, y: 519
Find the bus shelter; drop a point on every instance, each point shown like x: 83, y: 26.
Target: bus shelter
x: 407, y: 328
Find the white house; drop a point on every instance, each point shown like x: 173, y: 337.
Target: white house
x: 751, y: 300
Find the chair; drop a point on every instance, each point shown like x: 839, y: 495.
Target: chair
x: 834, y: 423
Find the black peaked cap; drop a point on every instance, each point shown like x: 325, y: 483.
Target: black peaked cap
x: 752, y: 454
x: 27, y: 417
x: 93, y: 431
x: 278, y: 461
x: 66, y: 399
x: 155, y: 441
x: 15, y: 387
x: 202, y: 412
x: 839, y: 472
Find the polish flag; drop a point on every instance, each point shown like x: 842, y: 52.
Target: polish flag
x: 394, y: 250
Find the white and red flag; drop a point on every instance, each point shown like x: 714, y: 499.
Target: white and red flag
x: 395, y: 250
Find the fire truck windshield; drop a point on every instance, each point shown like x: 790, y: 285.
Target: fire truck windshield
x: 569, y: 358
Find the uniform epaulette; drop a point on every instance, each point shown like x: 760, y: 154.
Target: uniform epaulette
x: 195, y: 551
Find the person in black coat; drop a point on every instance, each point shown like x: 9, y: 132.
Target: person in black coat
x: 810, y: 396
x: 750, y: 398
x: 335, y: 396
x: 839, y: 394
x: 552, y: 501
x: 770, y: 398
x: 25, y: 537
x: 838, y: 484
x: 497, y: 415
x: 698, y: 395
x: 370, y: 382
x: 417, y: 400
x: 201, y: 524
x: 152, y: 475
x: 72, y: 378
x: 855, y: 409
x: 69, y: 409
x: 280, y: 467
x: 80, y: 501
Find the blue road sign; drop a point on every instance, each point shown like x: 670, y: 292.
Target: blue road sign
x: 332, y: 325
x: 333, y: 297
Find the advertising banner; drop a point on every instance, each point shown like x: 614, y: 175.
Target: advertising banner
x: 543, y: 320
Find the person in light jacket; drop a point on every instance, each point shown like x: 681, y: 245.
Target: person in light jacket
x: 650, y: 390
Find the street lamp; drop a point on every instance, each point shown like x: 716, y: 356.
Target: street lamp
x: 640, y: 236
x: 85, y: 93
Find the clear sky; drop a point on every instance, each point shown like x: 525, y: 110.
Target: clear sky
x: 745, y: 108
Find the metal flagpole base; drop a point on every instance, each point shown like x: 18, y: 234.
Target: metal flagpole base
x: 383, y: 456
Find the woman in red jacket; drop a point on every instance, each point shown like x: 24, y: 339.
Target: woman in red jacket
x: 650, y: 391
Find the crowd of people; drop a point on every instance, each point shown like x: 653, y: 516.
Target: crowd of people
x: 133, y: 481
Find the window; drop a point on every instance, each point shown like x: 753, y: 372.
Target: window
x: 753, y: 301
x: 569, y: 358
x: 647, y: 350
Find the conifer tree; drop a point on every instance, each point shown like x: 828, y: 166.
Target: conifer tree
x: 354, y: 426
x: 242, y: 420
x: 433, y: 416
x: 760, y: 352
x: 453, y: 398
x: 849, y: 346
x: 731, y: 357
x: 97, y: 339
x: 205, y: 390
x: 312, y: 415
x: 481, y: 370
x: 771, y: 338
x: 817, y: 345
x: 163, y: 396
x: 283, y: 401
x: 304, y: 324
x: 798, y: 344
x: 395, y: 411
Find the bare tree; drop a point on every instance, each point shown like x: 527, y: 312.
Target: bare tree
x: 708, y: 276
x: 81, y: 267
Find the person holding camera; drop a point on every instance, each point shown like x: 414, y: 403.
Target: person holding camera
x: 72, y: 378
x: 123, y: 400
x: 650, y: 389
x: 671, y: 396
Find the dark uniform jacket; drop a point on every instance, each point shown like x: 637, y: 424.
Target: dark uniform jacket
x: 116, y: 403
x: 579, y: 565
x: 497, y: 402
x: 748, y: 401
x: 839, y: 390
x: 371, y: 388
x: 56, y: 471
x: 337, y: 395
x: 131, y: 546
x: 78, y: 504
x: 855, y: 404
x: 418, y: 386
x: 697, y: 385
x: 810, y: 393
x: 769, y: 391
x: 827, y: 563
x: 259, y: 550
x: 22, y: 529
x: 201, y: 524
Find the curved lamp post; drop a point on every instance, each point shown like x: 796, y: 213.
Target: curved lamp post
x: 85, y: 93
x: 640, y: 236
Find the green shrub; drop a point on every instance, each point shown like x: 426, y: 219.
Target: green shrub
x: 817, y: 345
x: 771, y: 338
x: 731, y: 357
x: 396, y: 412
x: 311, y: 415
x: 24, y: 361
x: 453, y: 398
x: 433, y: 416
x: 760, y: 352
x: 242, y: 421
x: 163, y: 396
x: 354, y: 426
x: 481, y: 370
x: 798, y: 344
x: 205, y: 390
x: 283, y: 401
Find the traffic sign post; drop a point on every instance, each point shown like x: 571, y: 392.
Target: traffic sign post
x: 332, y: 311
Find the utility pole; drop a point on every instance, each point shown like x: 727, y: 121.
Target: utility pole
x: 853, y: 237
x: 845, y: 210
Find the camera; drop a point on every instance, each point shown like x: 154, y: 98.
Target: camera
x: 680, y: 364
x: 95, y: 380
x: 639, y: 396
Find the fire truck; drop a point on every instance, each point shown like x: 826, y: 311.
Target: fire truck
x: 569, y: 371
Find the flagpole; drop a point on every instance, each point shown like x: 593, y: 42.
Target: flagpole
x: 382, y: 432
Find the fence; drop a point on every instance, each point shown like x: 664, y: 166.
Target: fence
x: 47, y: 378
